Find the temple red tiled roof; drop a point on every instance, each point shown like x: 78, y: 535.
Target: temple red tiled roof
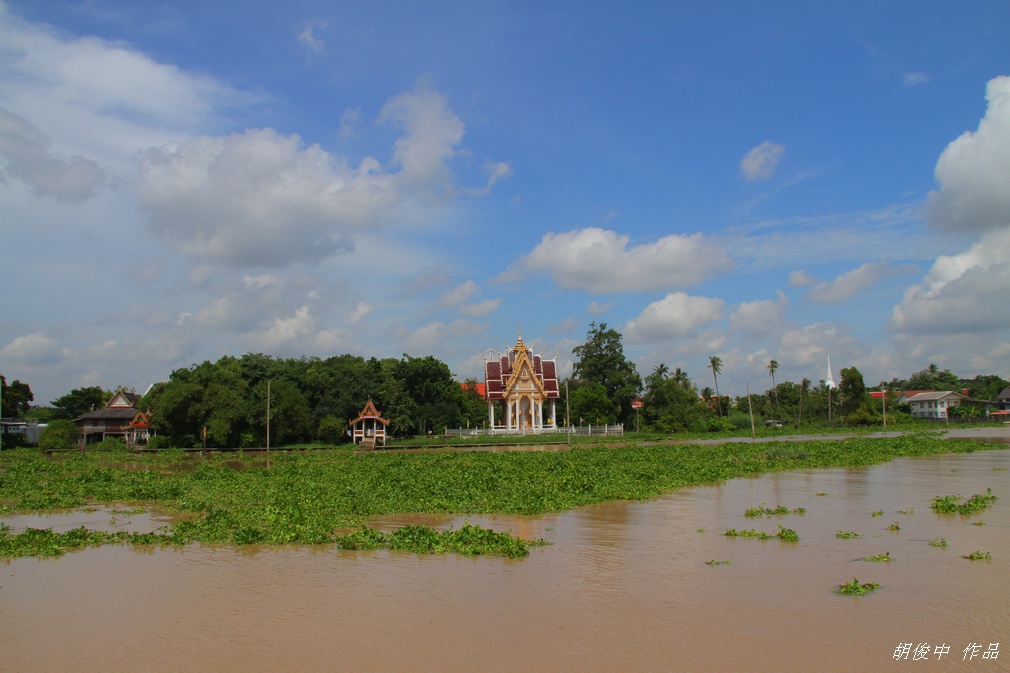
x: 497, y: 373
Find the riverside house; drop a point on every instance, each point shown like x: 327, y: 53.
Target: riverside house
x: 120, y: 418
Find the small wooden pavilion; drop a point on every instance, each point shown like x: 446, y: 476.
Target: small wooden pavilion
x: 369, y: 428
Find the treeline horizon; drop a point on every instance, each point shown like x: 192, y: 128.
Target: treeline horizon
x: 312, y: 399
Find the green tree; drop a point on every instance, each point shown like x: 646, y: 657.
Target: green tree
x: 80, y: 401
x: 332, y: 430
x: 932, y: 378
x: 15, y: 399
x: 591, y: 405
x: 436, y: 395
x: 984, y: 386
x: 852, y: 391
x: 773, y: 367
x: 290, y: 421
x: 804, y: 392
x: 671, y: 404
x: 715, y: 363
x: 601, y: 360
x: 59, y: 435
x: 474, y: 410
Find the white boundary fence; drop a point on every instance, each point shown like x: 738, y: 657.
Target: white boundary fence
x: 577, y: 430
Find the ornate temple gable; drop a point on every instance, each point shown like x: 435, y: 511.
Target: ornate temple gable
x: 520, y: 369
x: 123, y: 400
x: 524, y: 376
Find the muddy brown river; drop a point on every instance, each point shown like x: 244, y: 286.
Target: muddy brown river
x: 623, y: 587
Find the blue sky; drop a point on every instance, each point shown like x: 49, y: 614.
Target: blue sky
x: 185, y: 180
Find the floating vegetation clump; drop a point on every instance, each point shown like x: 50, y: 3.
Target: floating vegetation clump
x: 847, y: 534
x: 939, y: 542
x: 879, y: 512
x: 713, y: 562
x: 978, y: 556
x: 44, y: 543
x: 879, y: 558
x: 894, y: 527
x: 856, y: 588
x: 951, y: 504
x: 784, y: 534
x: 468, y: 540
x: 781, y: 510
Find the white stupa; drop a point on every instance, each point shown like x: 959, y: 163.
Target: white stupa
x: 829, y: 380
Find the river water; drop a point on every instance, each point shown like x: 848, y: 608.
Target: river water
x: 624, y: 587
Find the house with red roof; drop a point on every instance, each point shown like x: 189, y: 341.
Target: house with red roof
x: 119, y: 418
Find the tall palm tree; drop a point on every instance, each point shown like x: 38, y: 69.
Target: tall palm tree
x: 662, y: 370
x: 773, y: 366
x: 680, y: 376
x: 715, y: 362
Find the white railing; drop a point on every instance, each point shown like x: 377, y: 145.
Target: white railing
x: 579, y: 430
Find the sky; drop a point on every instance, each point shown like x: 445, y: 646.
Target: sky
x: 788, y: 181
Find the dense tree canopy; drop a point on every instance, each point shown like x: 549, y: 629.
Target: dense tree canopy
x: 672, y: 404
x: 310, y: 399
x: 80, y: 401
x: 932, y: 378
x: 15, y: 399
x: 601, y: 360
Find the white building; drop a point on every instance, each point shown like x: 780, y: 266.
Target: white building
x: 934, y: 404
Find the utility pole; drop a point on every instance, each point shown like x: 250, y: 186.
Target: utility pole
x: 883, y: 401
x: 268, y: 424
x: 750, y: 405
x: 568, y: 415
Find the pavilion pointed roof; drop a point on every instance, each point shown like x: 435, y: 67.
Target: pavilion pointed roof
x: 369, y: 413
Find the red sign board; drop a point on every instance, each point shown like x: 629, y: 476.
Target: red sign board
x: 636, y: 403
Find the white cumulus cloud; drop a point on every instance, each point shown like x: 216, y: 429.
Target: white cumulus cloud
x: 262, y: 198
x: 432, y: 134
x: 601, y: 260
x: 973, y: 172
x: 259, y: 198
x: 961, y: 293
x: 675, y: 316
x: 760, y: 317
x: 33, y: 349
